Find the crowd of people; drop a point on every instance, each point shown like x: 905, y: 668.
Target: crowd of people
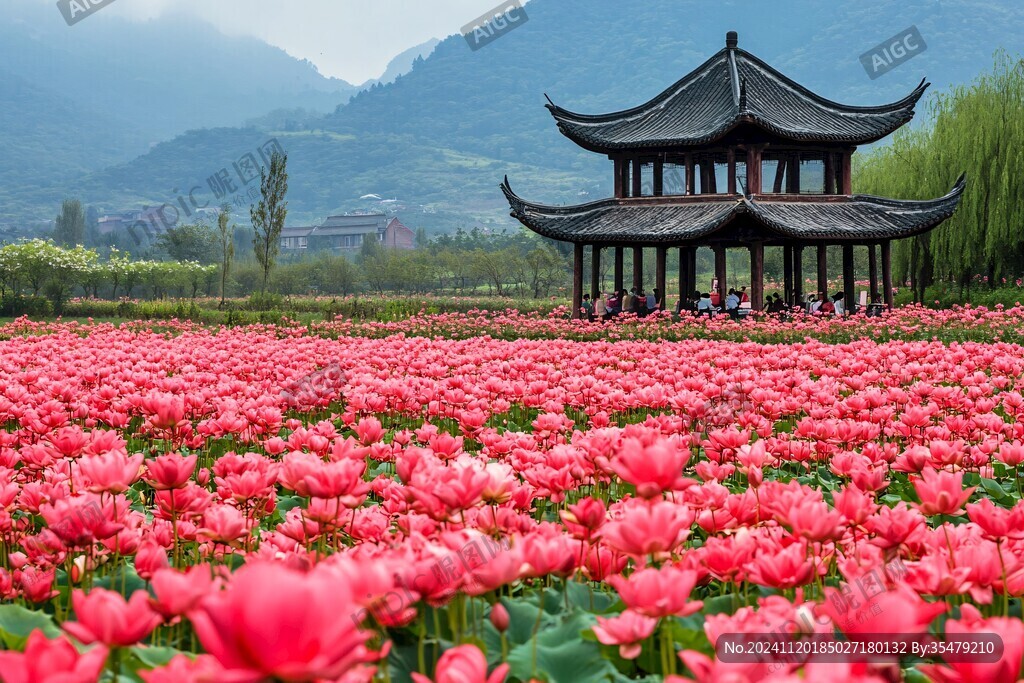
x: 636, y: 301
x: 736, y: 304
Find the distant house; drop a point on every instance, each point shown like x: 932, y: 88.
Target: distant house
x: 348, y: 232
x: 295, y: 238
x: 150, y: 222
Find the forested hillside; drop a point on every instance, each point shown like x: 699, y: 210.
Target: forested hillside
x: 440, y: 138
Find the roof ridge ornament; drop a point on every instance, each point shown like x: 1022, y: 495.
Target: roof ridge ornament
x: 732, y: 39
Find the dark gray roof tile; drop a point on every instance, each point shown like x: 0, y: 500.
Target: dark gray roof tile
x: 732, y: 87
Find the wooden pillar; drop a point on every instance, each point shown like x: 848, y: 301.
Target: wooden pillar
x: 793, y: 174
x: 577, y: 280
x: 830, y: 173
x: 798, y: 275
x: 638, y: 267
x: 847, y: 176
x: 757, y: 276
x: 731, y: 161
x: 619, y: 184
x: 661, y: 254
x: 595, y: 272
x: 720, y: 274
x: 754, y: 169
x: 849, y: 283
x: 637, y: 177
x: 887, y: 273
x: 618, y: 270
x: 787, y: 274
x: 690, y: 180
x: 872, y: 274
x: 780, y: 174
x: 659, y: 176
x: 712, y: 176
x: 822, y: 269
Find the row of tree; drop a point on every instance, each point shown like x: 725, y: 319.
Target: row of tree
x: 41, y: 268
x: 977, y: 129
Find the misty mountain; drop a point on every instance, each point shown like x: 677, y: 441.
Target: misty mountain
x: 440, y: 138
x: 402, y: 63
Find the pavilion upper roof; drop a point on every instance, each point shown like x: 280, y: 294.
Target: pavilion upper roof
x: 731, y: 89
x: 676, y: 220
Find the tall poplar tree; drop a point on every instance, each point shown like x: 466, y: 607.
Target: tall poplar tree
x: 268, y: 215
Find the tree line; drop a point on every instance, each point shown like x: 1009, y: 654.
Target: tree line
x: 976, y: 128
x: 196, y: 258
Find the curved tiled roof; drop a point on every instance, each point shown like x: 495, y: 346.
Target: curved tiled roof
x: 731, y: 88
x: 861, y: 218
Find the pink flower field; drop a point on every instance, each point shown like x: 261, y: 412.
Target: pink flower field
x: 357, y: 503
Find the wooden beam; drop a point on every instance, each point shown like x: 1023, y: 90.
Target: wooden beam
x: 637, y: 177
x: 595, y: 272
x: 757, y: 276
x: 661, y: 254
x: 849, y: 283
x: 887, y: 273
x: 872, y: 274
x: 712, y: 176
x: 619, y: 184
x: 638, y: 267
x: 690, y: 180
x: 731, y: 161
x: 618, y: 270
x: 659, y: 176
x: 798, y: 274
x: 822, y: 270
x: 577, y: 280
x: 720, y: 273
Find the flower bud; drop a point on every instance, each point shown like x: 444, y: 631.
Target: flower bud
x: 499, y: 617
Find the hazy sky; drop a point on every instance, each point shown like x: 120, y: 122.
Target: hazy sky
x: 350, y: 39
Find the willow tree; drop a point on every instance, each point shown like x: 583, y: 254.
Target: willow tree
x: 978, y: 129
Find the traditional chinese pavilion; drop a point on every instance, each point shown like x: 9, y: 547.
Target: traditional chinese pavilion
x: 784, y: 154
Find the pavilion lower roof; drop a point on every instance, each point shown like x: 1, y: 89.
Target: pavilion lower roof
x: 662, y: 220
x: 732, y: 88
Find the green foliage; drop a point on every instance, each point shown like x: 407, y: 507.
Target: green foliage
x: 269, y: 213
x: 189, y: 242
x: 69, y: 228
x: 977, y: 129
x: 17, y: 622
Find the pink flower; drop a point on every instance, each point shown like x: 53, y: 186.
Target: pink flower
x: 463, y: 664
x: 941, y: 492
x: 277, y: 622
x: 52, y: 661
x: 104, y: 616
x: 626, y: 630
x: 659, y: 592
x: 649, y: 528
